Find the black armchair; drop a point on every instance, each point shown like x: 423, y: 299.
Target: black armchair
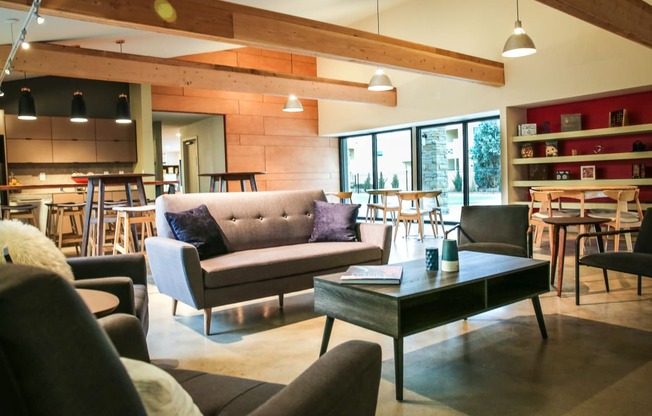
x: 497, y: 229
x: 637, y: 262
x: 55, y: 358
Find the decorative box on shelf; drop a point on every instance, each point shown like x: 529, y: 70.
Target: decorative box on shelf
x: 563, y: 175
x: 527, y: 150
x: 552, y: 148
x: 527, y: 129
x: 538, y: 172
x: 571, y: 122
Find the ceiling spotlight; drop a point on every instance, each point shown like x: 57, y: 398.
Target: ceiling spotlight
x: 40, y: 19
x: 24, y: 44
x: 8, y: 69
x: 2, y: 93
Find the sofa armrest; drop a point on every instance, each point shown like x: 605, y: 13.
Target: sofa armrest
x: 122, y: 287
x: 343, y: 381
x: 176, y: 270
x: 377, y: 234
x: 129, y: 265
x: 126, y: 335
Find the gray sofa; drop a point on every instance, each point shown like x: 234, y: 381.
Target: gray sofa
x: 266, y: 235
x: 56, y: 360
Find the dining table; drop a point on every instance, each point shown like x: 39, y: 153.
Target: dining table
x: 221, y: 178
x: 583, y: 192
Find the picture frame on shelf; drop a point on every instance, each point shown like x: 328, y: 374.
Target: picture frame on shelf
x: 552, y: 148
x: 618, y: 118
x: 587, y: 172
x: 571, y: 122
x: 527, y: 150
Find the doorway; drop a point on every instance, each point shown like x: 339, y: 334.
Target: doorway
x: 190, y: 168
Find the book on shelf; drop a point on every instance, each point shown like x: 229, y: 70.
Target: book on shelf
x: 373, y: 275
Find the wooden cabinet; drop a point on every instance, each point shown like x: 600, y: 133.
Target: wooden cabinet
x: 116, y: 151
x: 29, y: 151
x: 115, y: 142
x: 64, y: 129
x: 58, y: 140
x: 28, y: 129
x: 74, y: 151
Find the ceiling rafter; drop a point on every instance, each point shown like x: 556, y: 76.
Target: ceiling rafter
x: 232, y: 23
x: 631, y: 19
x: 67, y: 61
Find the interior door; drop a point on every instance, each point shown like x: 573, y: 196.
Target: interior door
x: 190, y: 166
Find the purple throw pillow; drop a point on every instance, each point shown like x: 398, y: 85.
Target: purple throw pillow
x: 334, y: 222
x: 197, y: 227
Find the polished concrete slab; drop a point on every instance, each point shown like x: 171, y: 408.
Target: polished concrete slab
x: 597, y: 360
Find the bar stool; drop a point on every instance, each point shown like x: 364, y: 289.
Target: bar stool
x: 110, y: 219
x: 22, y: 212
x: 145, y: 215
x: 75, y: 214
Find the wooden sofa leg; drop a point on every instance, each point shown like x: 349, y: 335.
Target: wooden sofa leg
x: 280, y: 301
x: 207, y: 320
x: 174, y: 306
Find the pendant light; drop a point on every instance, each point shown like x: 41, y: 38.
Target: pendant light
x: 380, y: 81
x: 78, y: 108
x: 26, y: 106
x: 122, y: 111
x: 519, y: 43
x: 293, y: 105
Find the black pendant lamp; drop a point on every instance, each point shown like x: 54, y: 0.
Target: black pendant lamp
x: 78, y: 108
x: 26, y: 107
x: 123, y: 113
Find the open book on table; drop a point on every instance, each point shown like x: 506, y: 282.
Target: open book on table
x: 373, y: 275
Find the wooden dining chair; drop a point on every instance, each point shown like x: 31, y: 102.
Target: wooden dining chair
x: 541, y: 206
x: 388, y: 204
x: 432, y: 206
x: 621, y: 218
x: 342, y: 197
x: 410, y: 211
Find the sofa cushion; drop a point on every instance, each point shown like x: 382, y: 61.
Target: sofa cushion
x: 160, y: 393
x: 196, y: 226
x: 334, y: 222
x: 274, y: 262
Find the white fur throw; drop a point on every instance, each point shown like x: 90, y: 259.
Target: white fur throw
x: 28, y: 245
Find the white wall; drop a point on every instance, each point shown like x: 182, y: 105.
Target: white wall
x: 211, y: 141
x: 574, y: 59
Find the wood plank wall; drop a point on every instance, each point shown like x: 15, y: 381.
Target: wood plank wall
x: 259, y: 135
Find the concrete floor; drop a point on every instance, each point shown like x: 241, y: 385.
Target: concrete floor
x: 597, y: 360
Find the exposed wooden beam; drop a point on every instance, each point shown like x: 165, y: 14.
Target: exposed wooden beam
x: 49, y: 59
x: 631, y: 19
x: 242, y: 25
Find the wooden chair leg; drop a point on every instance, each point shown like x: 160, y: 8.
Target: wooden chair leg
x: 280, y: 300
x: 606, y: 279
x: 207, y: 320
x: 174, y: 306
x: 640, y: 284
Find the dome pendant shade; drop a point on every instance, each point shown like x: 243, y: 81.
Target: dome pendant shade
x: 26, y: 106
x: 78, y: 108
x: 519, y: 43
x: 293, y: 105
x: 123, y: 113
x: 380, y: 81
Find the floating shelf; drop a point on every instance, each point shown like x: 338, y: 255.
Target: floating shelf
x: 583, y: 158
x: 583, y: 134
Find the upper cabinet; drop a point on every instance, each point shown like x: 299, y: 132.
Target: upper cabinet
x: 28, y: 129
x: 58, y: 140
x: 64, y: 129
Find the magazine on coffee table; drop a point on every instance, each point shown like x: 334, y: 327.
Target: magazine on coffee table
x: 373, y: 275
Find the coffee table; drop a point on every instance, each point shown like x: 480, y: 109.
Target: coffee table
x: 100, y: 303
x: 427, y: 299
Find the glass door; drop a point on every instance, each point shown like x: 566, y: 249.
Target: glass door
x: 358, y: 168
x: 484, y: 162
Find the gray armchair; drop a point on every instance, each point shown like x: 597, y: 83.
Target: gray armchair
x: 54, y: 357
x: 637, y: 262
x: 497, y: 229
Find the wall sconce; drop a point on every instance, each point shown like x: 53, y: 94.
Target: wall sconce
x: 293, y: 105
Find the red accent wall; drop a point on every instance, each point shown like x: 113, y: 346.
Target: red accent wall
x: 595, y: 115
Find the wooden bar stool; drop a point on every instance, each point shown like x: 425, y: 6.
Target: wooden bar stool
x: 109, y: 221
x: 22, y: 212
x: 123, y: 241
x: 75, y: 214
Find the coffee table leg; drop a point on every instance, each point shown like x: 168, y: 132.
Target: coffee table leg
x: 328, y: 327
x: 398, y: 367
x: 539, y: 313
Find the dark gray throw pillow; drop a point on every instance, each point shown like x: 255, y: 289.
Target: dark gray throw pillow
x: 197, y: 227
x: 334, y: 222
